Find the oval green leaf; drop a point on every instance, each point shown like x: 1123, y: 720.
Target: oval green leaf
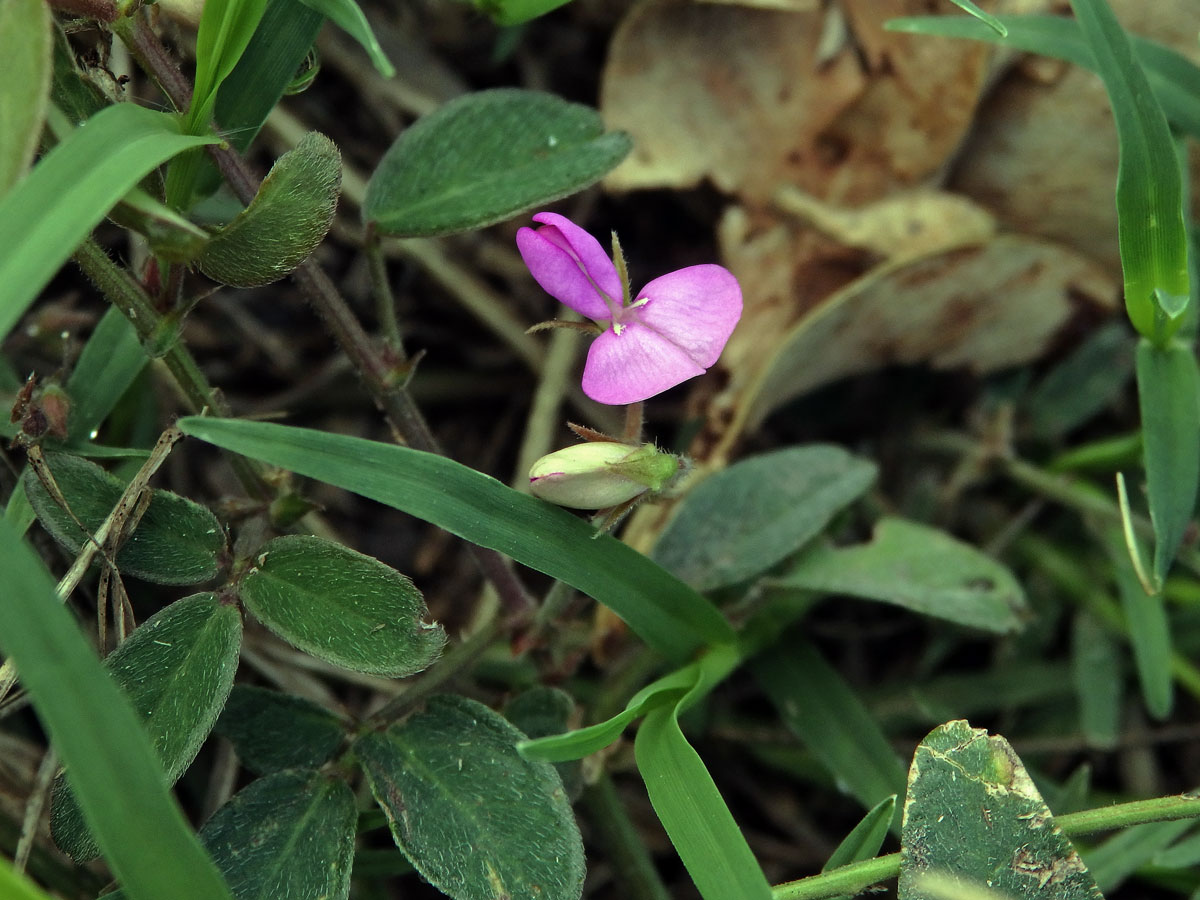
x: 284, y: 223
x: 485, y: 157
x: 341, y: 606
x: 473, y: 816
x: 664, y: 612
x: 25, y: 32
x: 288, y: 835
x: 93, y: 725
x: 747, y: 518
x: 176, y: 669
x: 920, y: 568
x: 973, y: 812
x: 176, y: 541
x: 272, y: 731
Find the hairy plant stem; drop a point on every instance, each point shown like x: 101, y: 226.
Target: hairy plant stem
x: 384, y: 378
x: 859, y: 876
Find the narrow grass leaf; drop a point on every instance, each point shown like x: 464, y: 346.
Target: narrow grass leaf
x: 176, y: 541
x: 472, y: 815
x: 692, y: 811
x: 921, y: 569
x: 541, y: 711
x: 288, y: 217
x: 818, y: 706
x: 348, y: 16
x: 1146, y: 617
x: 679, y: 689
x: 14, y: 886
x: 745, y: 519
x: 115, y: 772
x: 341, y: 606
x: 865, y: 839
x: 108, y: 364
x: 485, y: 157
x: 25, y: 44
x: 1169, y: 397
x: 46, y: 216
x: 1084, y: 384
x: 1183, y: 854
x: 271, y: 731
x: 1096, y: 674
x: 970, y: 803
x: 664, y: 612
x: 1122, y: 854
x: 985, y: 17
x: 281, y: 42
x: 1174, y: 79
x: 176, y: 669
x: 1150, y: 227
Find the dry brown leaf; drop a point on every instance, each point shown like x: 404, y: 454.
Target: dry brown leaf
x: 980, y: 308
x: 908, y: 223
x: 754, y: 99
x: 1043, y: 153
x: 723, y: 92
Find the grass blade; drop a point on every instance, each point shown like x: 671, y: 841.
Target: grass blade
x: 118, y: 780
x: 45, y: 217
x: 666, y: 613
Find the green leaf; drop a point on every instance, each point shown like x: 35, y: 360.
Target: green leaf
x: 25, y: 42
x: 816, y: 704
x: 14, y: 886
x: 1117, y: 858
x: 1150, y: 224
x: 514, y: 12
x: 681, y: 688
x: 176, y: 541
x: 1149, y: 633
x: 920, y: 568
x: 347, y: 15
x: 987, y: 18
x: 541, y: 711
x: 176, y: 669
x: 171, y: 236
x: 745, y: 519
x: 341, y: 606
x: 283, y: 39
x: 290, y: 835
x: 1169, y: 397
x: 272, y: 731
x: 108, y: 364
x: 865, y: 839
x: 1096, y: 673
x: 1184, y: 853
x: 289, y: 216
x: 692, y: 811
x: 484, y: 158
x: 1088, y: 381
x: 1174, y: 79
x: 473, y: 816
x: 45, y: 217
x: 973, y: 812
x: 225, y: 30
x: 664, y: 612
x: 115, y: 773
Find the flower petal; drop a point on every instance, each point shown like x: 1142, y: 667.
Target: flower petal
x: 694, y: 308
x: 570, y: 264
x: 634, y: 365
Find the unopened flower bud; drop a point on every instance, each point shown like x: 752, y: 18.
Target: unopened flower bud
x: 600, y: 474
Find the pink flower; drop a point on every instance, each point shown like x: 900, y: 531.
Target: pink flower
x: 673, y: 330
